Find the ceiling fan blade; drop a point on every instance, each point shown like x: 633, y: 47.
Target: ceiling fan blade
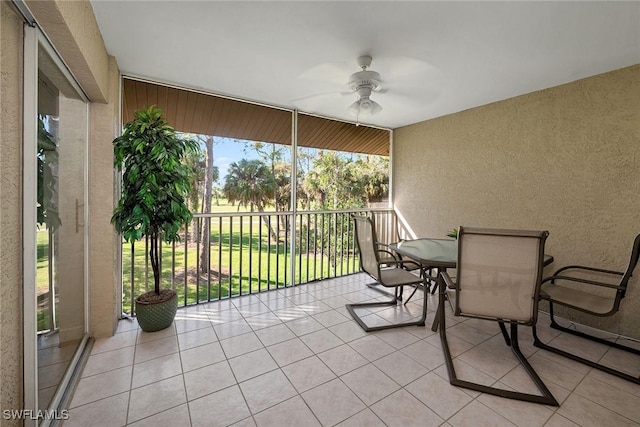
x: 334, y: 72
x: 313, y: 102
x: 399, y: 101
x: 406, y: 72
x: 401, y: 66
x: 428, y: 91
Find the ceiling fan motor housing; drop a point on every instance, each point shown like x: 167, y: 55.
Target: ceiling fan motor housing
x: 364, y: 78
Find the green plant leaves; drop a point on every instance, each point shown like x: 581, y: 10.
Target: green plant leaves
x: 155, y: 180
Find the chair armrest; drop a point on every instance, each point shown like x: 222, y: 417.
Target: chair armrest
x: 552, y: 279
x: 413, y: 263
x: 582, y: 267
x: 388, y: 263
x: 391, y: 254
x: 448, y: 281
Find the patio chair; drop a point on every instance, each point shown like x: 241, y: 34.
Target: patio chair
x: 390, y: 259
x: 390, y: 277
x: 498, y: 277
x: 599, y: 293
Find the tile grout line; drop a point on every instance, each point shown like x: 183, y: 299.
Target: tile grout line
x: 184, y: 384
x: 131, y: 380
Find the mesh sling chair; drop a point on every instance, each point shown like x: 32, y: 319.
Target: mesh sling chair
x: 391, y: 258
x: 599, y: 293
x: 498, y: 278
x: 390, y: 277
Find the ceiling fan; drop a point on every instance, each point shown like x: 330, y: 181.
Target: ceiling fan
x: 407, y: 85
x: 364, y: 82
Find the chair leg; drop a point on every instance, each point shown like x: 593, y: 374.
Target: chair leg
x: 426, y: 286
x: 413, y: 293
x: 427, y: 280
x: 438, y: 320
x: 420, y: 322
x: 546, y: 398
x: 556, y: 325
x: 538, y: 343
x: 505, y: 335
x: 434, y: 288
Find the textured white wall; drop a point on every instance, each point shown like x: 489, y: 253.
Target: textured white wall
x: 103, y: 241
x: 72, y: 28
x: 10, y: 210
x: 564, y: 159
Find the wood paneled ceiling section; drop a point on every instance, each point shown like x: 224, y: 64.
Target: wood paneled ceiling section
x: 318, y: 132
x: 200, y: 113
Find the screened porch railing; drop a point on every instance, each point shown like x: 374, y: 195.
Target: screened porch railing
x: 250, y: 253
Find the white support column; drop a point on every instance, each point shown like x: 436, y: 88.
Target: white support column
x: 29, y: 218
x: 294, y: 201
x: 391, y: 168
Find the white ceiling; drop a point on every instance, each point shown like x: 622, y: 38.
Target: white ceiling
x: 435, y: 58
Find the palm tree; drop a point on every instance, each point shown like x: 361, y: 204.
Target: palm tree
x: 250, y: 183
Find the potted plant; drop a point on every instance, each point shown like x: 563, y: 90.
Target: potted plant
x: 155, y: 184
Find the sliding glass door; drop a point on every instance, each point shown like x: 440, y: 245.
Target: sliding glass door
x: 58, y: 220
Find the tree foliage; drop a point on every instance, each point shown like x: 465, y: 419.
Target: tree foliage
x: 155, y: 182
x: 47, y: 212
x: 249, y: 183
x: 335, y: 181
x: 195, y: 160
x: 327, y: 179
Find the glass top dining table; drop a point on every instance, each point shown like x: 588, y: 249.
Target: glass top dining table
x: 435, y: 253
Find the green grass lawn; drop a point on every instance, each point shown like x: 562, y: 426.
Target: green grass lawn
x: 42, y: 278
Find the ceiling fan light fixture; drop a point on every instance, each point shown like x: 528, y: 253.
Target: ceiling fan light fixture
x: 364, y: 107
x: 354, y: 109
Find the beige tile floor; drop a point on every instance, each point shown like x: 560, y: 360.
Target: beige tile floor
x: 294, y: 357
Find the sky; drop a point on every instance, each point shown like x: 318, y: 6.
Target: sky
x: 227, y: 151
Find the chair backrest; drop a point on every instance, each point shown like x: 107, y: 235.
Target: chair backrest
x: 366, y: 238
x: 499, y: 274
x: 633, y: 262
x: 385, y: 226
